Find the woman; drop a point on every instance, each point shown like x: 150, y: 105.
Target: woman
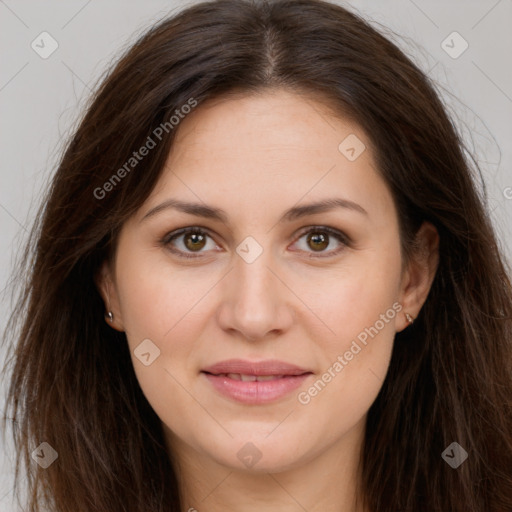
x: 264, y: 279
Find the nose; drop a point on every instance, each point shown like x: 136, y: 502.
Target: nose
x: 256, y: 302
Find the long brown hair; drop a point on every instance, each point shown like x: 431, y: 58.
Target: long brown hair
x: 450, y: 377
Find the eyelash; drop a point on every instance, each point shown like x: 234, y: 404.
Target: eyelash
x: 167, y: 239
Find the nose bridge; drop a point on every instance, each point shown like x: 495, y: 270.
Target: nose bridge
x: 257, y: 302
x: 255, y: 281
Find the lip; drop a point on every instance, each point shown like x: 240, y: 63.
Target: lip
x: 288, y: 377
x: 267, y: 367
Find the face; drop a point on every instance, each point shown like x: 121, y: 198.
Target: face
x: 260, y: 329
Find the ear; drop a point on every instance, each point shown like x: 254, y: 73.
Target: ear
x: 420, y: 272
x: 107, y: 288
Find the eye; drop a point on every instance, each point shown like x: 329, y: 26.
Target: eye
x: 193, y: 241
x: 318, y: 238
x: 187, y: 241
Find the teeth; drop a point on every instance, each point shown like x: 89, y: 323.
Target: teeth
x: 252, y: 378
x: 234, y: 376
x: 248, y: 378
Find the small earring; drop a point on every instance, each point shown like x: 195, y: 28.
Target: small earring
x: 110, y: 316
x: 409, y: 318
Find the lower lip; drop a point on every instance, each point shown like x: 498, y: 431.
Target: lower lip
x: 256, y: 392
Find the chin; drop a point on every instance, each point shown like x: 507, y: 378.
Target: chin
x: 259, y: 454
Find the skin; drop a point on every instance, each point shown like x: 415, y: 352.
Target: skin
x: 255, y: 156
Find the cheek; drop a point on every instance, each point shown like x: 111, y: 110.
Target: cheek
x: 354, y: 299
x: 164, y: 306
x: 168, y: 310
x: 358, y: 308
x: 157, y: 300
x: 354, y: 361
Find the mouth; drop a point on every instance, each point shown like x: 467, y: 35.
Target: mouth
x: 249, y: 378
x: 255, y: 382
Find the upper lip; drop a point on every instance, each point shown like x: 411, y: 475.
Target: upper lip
x: 267, y: 367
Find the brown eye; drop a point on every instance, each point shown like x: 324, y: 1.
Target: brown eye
x: 188, y: 242
x: 194, y: 241
x: 318, y: 241
x: 319, y: 238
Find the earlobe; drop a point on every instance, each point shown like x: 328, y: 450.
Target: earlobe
x: 419, y: 275
x: 409, y: 318
x: 106, y: 287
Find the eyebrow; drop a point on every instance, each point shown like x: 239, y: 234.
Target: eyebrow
x: 296, y: 212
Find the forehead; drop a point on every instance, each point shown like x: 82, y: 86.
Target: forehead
x: 272, y: 119
x: 269, y: 150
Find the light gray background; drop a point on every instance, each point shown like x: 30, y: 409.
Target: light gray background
x: 40, y: 99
